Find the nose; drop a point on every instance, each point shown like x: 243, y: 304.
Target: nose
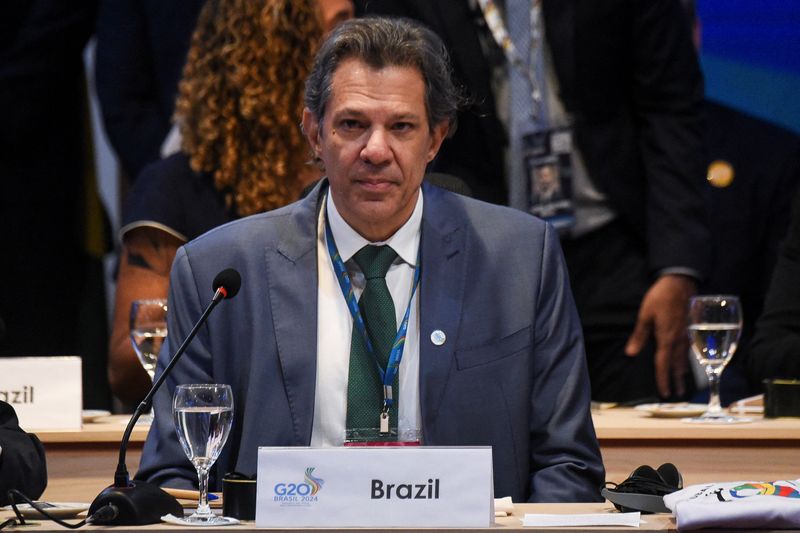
x: 376, y: 151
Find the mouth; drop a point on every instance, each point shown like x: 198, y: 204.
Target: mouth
x: 376, y: 185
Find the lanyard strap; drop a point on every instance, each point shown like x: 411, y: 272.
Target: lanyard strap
x: 497, y: 26
x: 393, y: 365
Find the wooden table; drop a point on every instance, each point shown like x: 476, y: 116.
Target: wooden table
x: 763, y: 450
x: 81, y: 463
x: 659, y: 522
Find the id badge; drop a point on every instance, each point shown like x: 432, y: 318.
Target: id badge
x: 372, y: 437
x: 547, y: 158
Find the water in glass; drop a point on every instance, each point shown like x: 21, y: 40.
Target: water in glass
x: 148, y: 326
x: 715, y: 322
x: 203, y: 417
x: 202, y: 432
x: 147, y: 343
x: 714, y: 344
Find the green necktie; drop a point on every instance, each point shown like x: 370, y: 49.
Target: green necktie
x: 364, y: 389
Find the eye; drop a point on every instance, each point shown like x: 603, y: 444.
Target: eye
x: 402, y: 126
x: 350, y: 124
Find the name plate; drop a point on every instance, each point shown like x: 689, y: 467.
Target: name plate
x: 375, y: 487
x: 44, y: 391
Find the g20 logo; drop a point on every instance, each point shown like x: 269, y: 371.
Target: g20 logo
x: 305, y: 490
x: 293, y: 489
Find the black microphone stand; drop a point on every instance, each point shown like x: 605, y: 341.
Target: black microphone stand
x: 138, y: 502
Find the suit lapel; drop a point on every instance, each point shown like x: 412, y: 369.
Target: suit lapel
x: 441, y: 299
x: 292, y: 281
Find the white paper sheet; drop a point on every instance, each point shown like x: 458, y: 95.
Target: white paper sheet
x: 591, y: 519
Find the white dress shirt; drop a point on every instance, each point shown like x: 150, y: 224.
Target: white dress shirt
x: 335, y: 325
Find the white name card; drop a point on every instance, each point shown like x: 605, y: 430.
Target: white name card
x: 45, y: 392
x: 375, y: 487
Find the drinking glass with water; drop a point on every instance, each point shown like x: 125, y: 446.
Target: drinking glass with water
x: 203, y: 417
x: 715, y: 323
x: 148, y: 324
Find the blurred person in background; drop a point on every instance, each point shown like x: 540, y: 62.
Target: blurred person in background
x: 753, y: 173
x: 775, y: 349
x: 141, y: 50
x: 238, y: 111
x: 51, y: 222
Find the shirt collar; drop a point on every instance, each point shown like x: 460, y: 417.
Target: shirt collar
x: 405, y: 241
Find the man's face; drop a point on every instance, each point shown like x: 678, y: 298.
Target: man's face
x: 375, y: 142
x: 547, y: 177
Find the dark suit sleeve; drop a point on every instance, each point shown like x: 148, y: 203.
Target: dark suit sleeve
x: 22, y: 462
x: 126, y: 85
x: 667, y: 94
x: 163, y: 460
x: 775, y: 351
x: 566, y: 465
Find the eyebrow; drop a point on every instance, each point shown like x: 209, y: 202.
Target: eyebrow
x: 348, y: 111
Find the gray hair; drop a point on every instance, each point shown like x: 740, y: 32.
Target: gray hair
x: 382, y: 42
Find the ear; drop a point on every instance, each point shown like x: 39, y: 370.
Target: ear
x: 311, y: 130
x: 438, y: 134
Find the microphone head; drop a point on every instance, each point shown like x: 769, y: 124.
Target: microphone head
x: 230, y: 280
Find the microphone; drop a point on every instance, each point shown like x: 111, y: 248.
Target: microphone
x: 227, y: 283
x: 138, y: 502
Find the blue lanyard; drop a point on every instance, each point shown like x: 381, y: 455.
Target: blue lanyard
x: 387, y: 376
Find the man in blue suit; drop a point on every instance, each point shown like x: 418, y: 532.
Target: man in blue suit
x: 489, y: 349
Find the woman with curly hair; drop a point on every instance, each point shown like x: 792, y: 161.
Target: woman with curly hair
x: 239, y: 105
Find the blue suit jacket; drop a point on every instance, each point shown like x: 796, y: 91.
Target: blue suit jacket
x: 511, y: 373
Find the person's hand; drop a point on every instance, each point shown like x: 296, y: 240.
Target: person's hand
x: 664, y: 313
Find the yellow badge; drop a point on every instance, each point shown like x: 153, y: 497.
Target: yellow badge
x: 720, y: 173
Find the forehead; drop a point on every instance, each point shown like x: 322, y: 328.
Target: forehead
x: 357, y: 86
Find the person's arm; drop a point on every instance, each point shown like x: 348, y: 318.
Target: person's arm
x: 667, y: 93
x: 775, y: 350
x: 146, y: 258
x: 163, y: 461
x: 22, y: 461
x: 126, y: 85
x: 566, y: 461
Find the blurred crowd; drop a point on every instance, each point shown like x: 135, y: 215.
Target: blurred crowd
x: 589, y: 114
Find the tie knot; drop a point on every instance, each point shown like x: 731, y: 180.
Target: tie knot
x: 374, y: 261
